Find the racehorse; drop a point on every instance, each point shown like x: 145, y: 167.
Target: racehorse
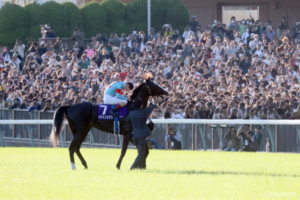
x: 82, y: 117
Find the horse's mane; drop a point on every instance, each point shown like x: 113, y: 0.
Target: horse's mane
x: 136, y: 91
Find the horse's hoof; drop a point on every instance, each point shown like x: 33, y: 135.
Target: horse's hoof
x: 85, y: 166
x: 73, y: 167
x: 118, y: 167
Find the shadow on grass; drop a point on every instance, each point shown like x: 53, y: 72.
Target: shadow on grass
x: 196, y: 172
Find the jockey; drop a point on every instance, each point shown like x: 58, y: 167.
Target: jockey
x: 114, y: 95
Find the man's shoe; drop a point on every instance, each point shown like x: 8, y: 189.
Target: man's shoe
x: 143, y: 167
x: 244, y: 148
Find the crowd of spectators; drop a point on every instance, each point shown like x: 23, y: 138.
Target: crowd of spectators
x: 245, y: 69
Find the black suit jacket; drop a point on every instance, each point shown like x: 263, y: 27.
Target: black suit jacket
x: 138, y: 119
x: 245, y: 138
x: 145, y: 40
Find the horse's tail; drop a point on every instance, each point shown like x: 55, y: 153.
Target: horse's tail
x: 58, y: 122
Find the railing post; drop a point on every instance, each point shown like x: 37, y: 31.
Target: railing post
x: 196, y: 137
x: 62, y: 138
x: 116, y: 139
x: 276, y: 138
x: 92, y: 138
x: 201, y: 129
x: 220, y: 135
x: 212, y: 138
x: 120, y: 140
x: 193, y: 137
x: 271, y: 137
x: 167, y: 143
x: 2, y: 140
x: 30, y: 135
x: 179, y: 130
x: 39, y: 126
x: 13, y: 126
x: 298, y: 131
x: 65, y: 133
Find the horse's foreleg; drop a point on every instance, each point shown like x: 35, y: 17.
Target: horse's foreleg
x: 123, y: 151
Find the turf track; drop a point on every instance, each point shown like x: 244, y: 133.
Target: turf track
x: 44, y: 173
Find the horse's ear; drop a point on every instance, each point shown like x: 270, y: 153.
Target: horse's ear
x: 148, y: 80
x: 147, y: 77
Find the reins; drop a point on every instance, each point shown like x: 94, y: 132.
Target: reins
x: 155, y: 98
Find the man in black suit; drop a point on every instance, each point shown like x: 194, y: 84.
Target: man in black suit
x: 251, y: 139
x: 142, y: 39
x: 246, y: 135
x: 140, y: 131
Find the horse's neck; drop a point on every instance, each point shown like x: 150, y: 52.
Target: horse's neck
x: 147, y: 99
x: 144, y: 100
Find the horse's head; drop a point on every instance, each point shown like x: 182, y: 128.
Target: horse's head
x: 154, y: 89
x: 147, y: 89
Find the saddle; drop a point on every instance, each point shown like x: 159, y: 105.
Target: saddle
x: 103, y: 114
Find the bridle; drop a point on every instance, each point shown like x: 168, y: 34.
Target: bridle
x: 162, y: 102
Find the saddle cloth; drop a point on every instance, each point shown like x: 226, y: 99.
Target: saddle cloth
x: 103, y: 112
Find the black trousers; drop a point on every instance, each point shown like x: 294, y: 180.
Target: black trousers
x: 245, y: 148
x: 141, y: 145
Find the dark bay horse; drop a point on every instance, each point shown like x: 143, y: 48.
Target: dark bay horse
x: 82, y: 117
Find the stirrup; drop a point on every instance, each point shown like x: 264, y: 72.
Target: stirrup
x: 113, y: 113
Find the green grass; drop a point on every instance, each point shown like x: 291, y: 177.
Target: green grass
x: 42, y: 173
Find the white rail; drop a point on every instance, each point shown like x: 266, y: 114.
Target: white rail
x: 180, y: 121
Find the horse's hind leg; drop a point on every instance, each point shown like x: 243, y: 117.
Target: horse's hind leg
x: 78, y: 148
x: 125, y: 143
x: 71, y: 152
x: 78, y: 138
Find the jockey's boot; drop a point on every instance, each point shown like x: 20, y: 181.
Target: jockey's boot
x: 113, y: 111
